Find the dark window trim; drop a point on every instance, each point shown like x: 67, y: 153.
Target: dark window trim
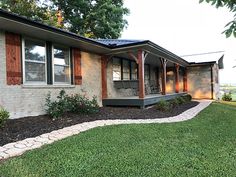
x: 21, y: 61
x: 71, y: 66
x: 49, y: 62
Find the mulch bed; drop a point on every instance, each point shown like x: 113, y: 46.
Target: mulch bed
x: 19, y: 129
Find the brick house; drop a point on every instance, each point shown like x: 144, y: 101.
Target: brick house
x: 37, y: 59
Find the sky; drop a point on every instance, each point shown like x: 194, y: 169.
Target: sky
x: 183, y: 27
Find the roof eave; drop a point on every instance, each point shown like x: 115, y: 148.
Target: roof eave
x: 151, y: 48
x: 13, y: 18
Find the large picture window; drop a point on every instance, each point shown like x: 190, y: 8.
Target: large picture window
x: 124, y: 69
x: 61, y: 62
x: 45, y: 63
x: 34, y: 61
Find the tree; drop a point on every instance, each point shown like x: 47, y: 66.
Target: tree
x: 89, y: 18
x: 94, y: 18
x: 33, y: 9
x: 231, y: 5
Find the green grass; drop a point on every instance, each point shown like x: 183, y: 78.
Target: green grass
x: 232, y: 103
x: 204, y: 146
x: 231, y: 89
x: 234, y: 96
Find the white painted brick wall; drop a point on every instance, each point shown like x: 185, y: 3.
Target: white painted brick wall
x: 23, y: 101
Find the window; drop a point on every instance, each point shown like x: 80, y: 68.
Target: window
x: 146, y: 72
x: 44, y: 63
x: 134, y: 71
x: 126, y: 70
x: 116, y: 69
x: 61, y: 62
x: 34, y: 54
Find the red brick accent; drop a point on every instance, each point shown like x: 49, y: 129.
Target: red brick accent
x: 77, y: 66
x: 141, y: 74
x: 185, y: 80
x: 176, y: 78
x: 13, y: 59
x: 104, y: 61
x: 163, y: 78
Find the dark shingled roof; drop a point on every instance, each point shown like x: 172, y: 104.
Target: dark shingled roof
x: 118, y: 42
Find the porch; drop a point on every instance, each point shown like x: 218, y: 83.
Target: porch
x: 139, y: 102
x: 142, y: 75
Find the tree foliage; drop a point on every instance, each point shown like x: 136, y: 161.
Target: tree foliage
x: 89, y: 18
x: 33, y: 9
x: 94, y: 18
x: 231, y: 5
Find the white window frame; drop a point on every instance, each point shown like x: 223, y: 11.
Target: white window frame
x: 69, y: 65
x: 24, y: 60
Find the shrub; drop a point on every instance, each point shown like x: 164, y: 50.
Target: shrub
x: 187, y: 97
x: 70, y: 103
x: 180, y: 100
x: 174, y: 102
x: 4, y: 115
x: 163, y: 105
x: 227, y: 97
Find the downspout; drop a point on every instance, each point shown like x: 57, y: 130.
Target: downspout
x: 212, y: 84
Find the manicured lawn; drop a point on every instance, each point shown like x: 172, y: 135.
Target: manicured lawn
x: 232, y: 103
x: 204, y: 146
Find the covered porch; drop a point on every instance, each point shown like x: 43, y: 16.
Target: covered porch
x: 139, y: 102
x: 142, y: 75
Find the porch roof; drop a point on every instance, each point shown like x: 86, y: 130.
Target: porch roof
x: 120, y: 46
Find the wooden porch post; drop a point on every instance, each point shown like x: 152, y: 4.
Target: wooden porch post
x: 104, y: 61
x: 185, y: 80
x: 141, y: 59
x: 176, y: 78
x: 163, y: 78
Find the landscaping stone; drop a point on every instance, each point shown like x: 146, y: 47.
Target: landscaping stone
x: 17, y: 148
x: 14, y: 152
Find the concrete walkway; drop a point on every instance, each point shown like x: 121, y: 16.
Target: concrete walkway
x: 18, y: 148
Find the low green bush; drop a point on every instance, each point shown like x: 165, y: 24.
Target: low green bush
x: 180, y: 100
x: 70, y: 103
x: 227, y: 97
x: 187, y: 97
x: 4, y: 115
x: 174, y: 102
x: 163, y: 105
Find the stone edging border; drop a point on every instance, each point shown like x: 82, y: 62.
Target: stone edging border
x: 19, y: 147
